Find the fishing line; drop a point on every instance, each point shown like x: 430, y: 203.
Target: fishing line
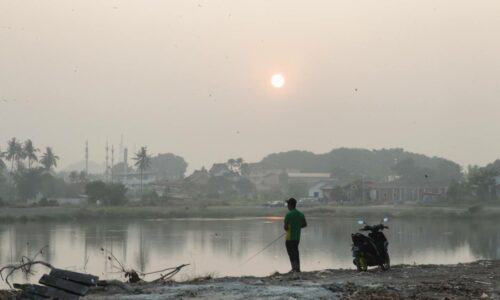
x: 268, y: 245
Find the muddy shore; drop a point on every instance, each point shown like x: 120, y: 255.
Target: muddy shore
x: 477, y: 280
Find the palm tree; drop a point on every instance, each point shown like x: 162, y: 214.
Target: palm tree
x: 142, y: 161
x: 14, y: 152
x: 49, y: 159
x: 30, y: 152
x: 2, y: 163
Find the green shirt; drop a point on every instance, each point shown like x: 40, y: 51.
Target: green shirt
x: 294, y: 219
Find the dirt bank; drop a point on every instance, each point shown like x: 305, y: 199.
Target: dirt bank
x: 478, y: 280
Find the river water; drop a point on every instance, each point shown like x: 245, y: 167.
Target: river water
x: 220, y: 247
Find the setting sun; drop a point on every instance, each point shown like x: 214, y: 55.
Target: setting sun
x: 277, y: 80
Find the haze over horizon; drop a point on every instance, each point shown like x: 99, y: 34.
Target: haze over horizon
x: 193, y: 77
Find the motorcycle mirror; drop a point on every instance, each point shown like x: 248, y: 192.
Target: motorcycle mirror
x: 386, y: 219
x: 361, y: 222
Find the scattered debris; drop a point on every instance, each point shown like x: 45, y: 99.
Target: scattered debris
x: 63, y: 284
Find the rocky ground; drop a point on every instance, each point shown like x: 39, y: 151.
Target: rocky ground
x: 478, y: 280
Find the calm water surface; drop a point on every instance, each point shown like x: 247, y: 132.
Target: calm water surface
x: 220, y: 246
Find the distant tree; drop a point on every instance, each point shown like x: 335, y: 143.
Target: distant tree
x: 82, y: 177
x: 49, y: 159
x: 220, y: 187
x: 142, y: 161
x: 73, y: 177
x: 30, y: 152
x: 115, y: 194
x: 347, y: 164
x: 53, y: 186
x: 95, y: 190
x: 109, y: 194
x: 27, y: 182
x: 150, y: 198
x: 482, y: 181
x: 30, y: 182
x: 459, y: 192
x: 245, y: 187
x: 77, y: 182
x: 14, y: 152
x: 297, y: 189
x: 169, y: 166
x: 494, y: 166
x: 2, y: 163
x: 245, y: 169
x: 341, y: 173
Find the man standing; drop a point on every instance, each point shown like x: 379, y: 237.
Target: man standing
x: 294, y: 222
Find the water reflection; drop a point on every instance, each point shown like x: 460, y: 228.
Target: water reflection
x: 221, y: 246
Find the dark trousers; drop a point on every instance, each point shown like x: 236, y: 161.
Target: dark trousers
x: 292, y: 248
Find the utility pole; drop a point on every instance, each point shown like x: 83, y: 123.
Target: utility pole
x: 125, y: 162
x: 120, y: 157
x: 87, y: 158
x: 363, y: 189
x: 112, y: 161
x: 107, y: 163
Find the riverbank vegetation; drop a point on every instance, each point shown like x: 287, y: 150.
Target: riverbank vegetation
x: 342, y: 183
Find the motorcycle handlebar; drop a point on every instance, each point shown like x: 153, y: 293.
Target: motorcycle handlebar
x: 375, y: 227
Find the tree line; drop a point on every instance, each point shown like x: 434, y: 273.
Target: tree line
x: 25, y: 171
x: 19, y: 152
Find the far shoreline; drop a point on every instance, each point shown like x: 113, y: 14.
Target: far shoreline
x: 90, y: 213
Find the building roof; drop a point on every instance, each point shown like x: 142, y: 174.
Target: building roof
x: 399, y: 185
x: 221, y: 167
x: 329, y: 186
x: 323, y: 185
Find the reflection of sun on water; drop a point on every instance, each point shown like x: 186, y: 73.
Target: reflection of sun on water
x: 274, y: 218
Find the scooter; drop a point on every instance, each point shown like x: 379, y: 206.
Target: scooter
x: 371, y: 250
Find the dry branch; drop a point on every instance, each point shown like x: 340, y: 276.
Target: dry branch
x: 137, y: 276
x: 25, y: 265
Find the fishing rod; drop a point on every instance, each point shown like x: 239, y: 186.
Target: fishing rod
x: 268, y: 245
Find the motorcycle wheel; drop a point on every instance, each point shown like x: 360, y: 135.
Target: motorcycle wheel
x: 386, y: 265
x: 361, y: 264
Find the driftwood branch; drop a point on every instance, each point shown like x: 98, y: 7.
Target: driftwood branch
x: 136, y: 276
x: 25, y: 265
x: 170, y: 274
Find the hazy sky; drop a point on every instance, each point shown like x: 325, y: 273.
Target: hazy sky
x: 192, y: 77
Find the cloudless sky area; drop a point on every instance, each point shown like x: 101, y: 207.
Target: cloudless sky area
x: 193, y: 77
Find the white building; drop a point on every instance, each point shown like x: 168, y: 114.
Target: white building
x: 317, y: 190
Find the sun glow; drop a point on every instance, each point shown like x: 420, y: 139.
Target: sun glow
x: 277, y: 81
